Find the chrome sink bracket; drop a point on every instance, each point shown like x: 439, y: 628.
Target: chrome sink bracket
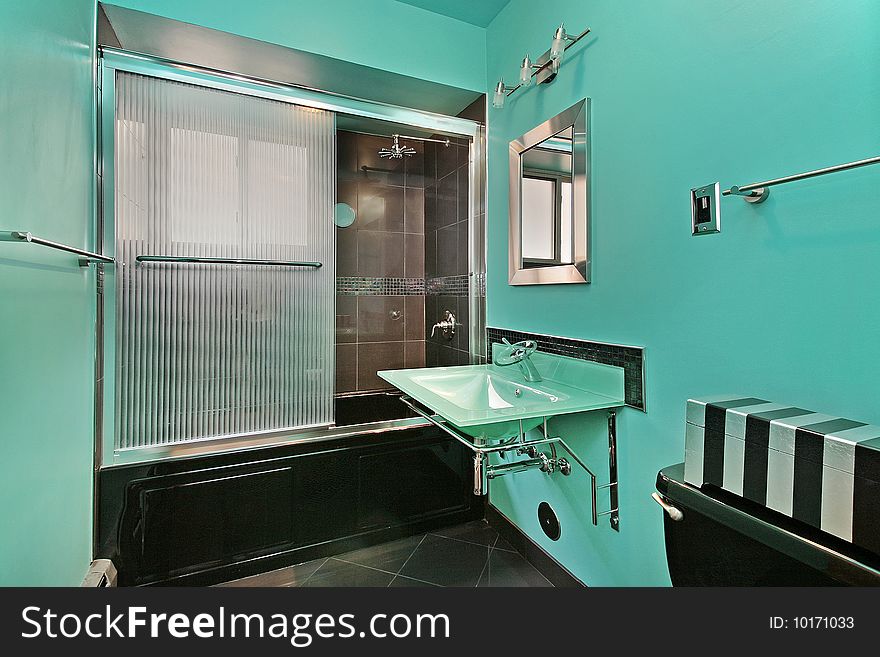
x: 484, y: 472
x: 613, y: 484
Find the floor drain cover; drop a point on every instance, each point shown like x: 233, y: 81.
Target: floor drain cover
x: 549, y: 521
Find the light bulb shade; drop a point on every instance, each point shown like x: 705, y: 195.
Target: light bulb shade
x: 499, y: 96
x: 525, y: 72
x: 557, y: 48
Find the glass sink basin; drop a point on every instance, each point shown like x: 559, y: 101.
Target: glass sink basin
x: 488, y: 401
x: 482, y: 389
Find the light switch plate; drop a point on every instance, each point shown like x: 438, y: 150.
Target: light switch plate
x: 706, y: 209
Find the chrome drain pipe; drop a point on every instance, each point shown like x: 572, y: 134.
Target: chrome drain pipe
x: 512, y: 468
x: 481, y: 480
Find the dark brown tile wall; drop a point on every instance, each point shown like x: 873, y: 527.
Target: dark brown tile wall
x: 446, y: 241
x: 376, y: 332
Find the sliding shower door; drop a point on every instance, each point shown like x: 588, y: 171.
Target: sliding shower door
x: 206, y: 350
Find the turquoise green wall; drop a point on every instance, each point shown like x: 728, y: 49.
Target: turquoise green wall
x: 384, y: 34
x: 47, y: 309
x: 780, y: 305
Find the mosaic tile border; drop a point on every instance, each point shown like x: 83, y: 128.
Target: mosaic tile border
x: 455, y: 286
x: 631, y: 359
x: 356, y: 286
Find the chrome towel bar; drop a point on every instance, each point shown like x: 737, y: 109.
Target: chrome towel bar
x: 187, y: 260
x: 758, y: 192
x: 24, y: 236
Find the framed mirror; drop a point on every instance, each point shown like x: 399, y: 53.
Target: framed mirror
x: 549, y: 233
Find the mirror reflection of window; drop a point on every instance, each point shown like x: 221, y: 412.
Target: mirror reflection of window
x: 547, y: 202
x: 538, y: 201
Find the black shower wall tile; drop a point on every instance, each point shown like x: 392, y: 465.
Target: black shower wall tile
x: 346, y: 319
x: 432, y: 354
x: 462, y: 248
x: 414, y: 256
x: 380, y: 253
x: 462, y: 154
x: 414, y: 210
x: 414, y: 354
x: 430, y: 163
x: 346, y: 367
x: 447, y: 159
x: 430, y: 210
x: 380, y: 319
x: 431, y: 254
x: 447, y: 251
x: 415, y: 167
x: 461, y: 332
x: 346, y: 251
x: 347, y: 155
x: 414, y: 317
x: 375, y: 356
x: 432, y: 315
x: 462, y: 204
x: 380, y: 207
x: 347, y: 192
x: 447, y: 201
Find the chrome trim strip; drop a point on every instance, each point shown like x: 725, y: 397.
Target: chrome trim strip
x: 223, y: 445
x: 578, y: 117
x: 145, y: 64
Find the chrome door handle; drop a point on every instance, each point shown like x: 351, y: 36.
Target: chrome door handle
x: 674, y: 513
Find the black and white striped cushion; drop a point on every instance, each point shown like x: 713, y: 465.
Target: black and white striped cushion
x: 821, y: 469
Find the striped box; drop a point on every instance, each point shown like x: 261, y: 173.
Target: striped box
x: 821, y: 469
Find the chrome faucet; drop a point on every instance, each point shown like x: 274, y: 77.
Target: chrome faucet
x: 518, y: 354
x: 446, y: 326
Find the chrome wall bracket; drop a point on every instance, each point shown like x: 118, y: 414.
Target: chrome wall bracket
x: 757, y: 195
x: 87, y: 257
x: 484, y: 472
x: 613, y: 484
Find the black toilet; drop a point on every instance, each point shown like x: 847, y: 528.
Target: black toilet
x: 714, y: 538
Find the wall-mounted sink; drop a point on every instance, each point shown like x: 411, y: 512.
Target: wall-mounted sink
x: 488, y: 402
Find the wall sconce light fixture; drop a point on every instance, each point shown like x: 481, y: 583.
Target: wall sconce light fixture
x: 544, y: 70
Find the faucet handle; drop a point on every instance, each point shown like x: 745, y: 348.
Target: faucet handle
x: 516, y: 352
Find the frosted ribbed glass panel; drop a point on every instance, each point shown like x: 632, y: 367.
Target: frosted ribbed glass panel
x: 204, y: 351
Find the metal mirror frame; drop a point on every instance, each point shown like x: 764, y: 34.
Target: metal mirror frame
x: 577, y: 117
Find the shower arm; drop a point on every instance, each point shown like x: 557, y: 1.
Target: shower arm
x: 445, y: 142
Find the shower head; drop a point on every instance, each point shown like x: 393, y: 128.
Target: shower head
x: 397, y: 151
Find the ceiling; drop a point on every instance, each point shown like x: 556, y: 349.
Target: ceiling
x: 475, y: 12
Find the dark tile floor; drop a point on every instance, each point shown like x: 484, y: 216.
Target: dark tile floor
x: 472, y: 554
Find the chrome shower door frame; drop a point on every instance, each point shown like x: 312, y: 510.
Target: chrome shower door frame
x: 112, y: 60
